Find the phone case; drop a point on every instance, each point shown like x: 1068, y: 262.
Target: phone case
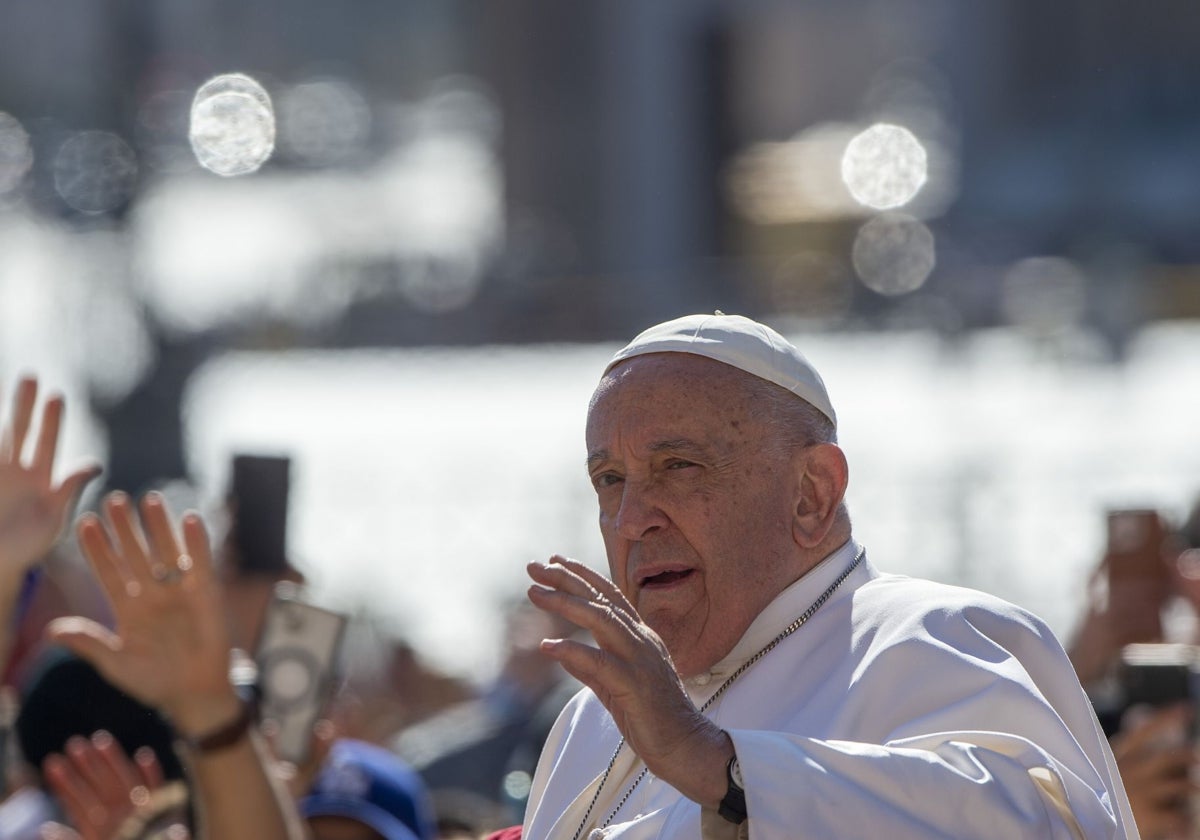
x: 296, y: 661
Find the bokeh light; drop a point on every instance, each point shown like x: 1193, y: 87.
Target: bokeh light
x: 232, y: 125
x: 884, y: 166
x: 323, y: 122
x: 793, y: 181
x: 95, y: 172
x: 16, y: 153
x: 894, y: 254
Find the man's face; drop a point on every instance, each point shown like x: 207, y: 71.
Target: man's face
x: 696, y: 497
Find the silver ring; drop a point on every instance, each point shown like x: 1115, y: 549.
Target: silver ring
x: 165, y: 574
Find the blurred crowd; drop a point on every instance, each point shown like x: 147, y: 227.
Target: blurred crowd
x: 94, y: 747
x: 164, y: 680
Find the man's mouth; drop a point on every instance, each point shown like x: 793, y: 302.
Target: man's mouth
x: 664, y: 579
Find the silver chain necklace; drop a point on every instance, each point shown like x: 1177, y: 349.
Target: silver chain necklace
x: 770, y: 646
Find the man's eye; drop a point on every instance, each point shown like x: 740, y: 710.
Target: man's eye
x: 605, y: 480
x: 677, y: 464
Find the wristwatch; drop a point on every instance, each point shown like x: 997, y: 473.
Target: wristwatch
x: 733, y: 806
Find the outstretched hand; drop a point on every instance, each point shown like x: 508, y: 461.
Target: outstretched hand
x: 99, y: 786
x: 170, y: 647
x: 632, y: 674
x: 33, y: 509
x: 1155, y: 758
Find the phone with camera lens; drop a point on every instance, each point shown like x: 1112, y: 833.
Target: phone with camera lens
x: 297, y: 659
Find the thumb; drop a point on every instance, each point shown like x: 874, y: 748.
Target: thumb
x: 88, y: 640
x: 67, y: 494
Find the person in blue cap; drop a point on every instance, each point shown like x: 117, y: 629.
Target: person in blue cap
x: 365, y: 792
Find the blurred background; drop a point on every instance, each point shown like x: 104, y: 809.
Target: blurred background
x: 399, y: 243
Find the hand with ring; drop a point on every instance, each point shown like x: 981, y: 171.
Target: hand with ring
x: 170, y: 647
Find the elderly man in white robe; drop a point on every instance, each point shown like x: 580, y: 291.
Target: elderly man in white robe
x: 753, y: 674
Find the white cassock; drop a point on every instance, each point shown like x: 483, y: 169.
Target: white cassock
x: 902, y: 709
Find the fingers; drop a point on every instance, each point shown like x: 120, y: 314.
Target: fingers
x: 594, y: 579
x: 96, y: 547
x: 164, y: 546
x: 67, y: 494
x: 132, y: 550
x: 148, y: 767
x: 195, y: 543
x: 13, y: 439
x: 565, y: 592
x: 87, y: 639
x: 47, y: 443
x: 112, y: 761
x: 80, y: 801
x: 1166, y: 725
x: 136, y: 553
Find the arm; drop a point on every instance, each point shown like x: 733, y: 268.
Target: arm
x: 33, y: 509
x: 170, y: 650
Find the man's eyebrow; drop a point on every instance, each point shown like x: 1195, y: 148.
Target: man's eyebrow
x: 595, y: 456
x: 678, y: 445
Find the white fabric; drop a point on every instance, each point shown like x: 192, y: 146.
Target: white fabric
x: 902, y: 709
x: 740, y: 342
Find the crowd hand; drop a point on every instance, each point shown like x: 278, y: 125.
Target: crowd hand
x: 1155, y: 757
x: 99, y: 786
x: 1115, y: 616
x: 299, y: 777
x: 33, y: 509
x: 632, y: 674
x: 170, y: 647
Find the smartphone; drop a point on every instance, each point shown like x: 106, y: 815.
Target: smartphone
x: 1159, y: 674
x: 1152, y: 676
x: 297, y: 659
x: 258, y: 496
x: 1139, y: 581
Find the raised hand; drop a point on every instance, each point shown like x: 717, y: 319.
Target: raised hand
x: 33, y: 509
x: 631, y: 673
x: 99, y: 786
x: 170, y: 646
x: 1155, y: 758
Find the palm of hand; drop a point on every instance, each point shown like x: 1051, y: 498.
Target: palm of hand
x: 31, y: 515
x: 164, y: 629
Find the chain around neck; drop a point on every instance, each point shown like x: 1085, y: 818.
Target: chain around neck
x: 745, y: 666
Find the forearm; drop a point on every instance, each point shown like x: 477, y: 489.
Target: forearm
x: 238, y: 796
x: 11, y: 585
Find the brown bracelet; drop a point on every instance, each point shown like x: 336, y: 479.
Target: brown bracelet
x: 226, y: 735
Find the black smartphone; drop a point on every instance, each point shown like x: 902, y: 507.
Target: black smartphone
x: 1158, y: 675
x: 258, y: 499
x: 297, y: 660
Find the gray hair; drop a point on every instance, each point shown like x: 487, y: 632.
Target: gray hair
x: 796, y: 421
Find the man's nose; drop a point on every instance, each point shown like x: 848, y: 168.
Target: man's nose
x: 639, y: 513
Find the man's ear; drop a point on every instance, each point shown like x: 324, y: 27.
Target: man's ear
x: 823, y: 475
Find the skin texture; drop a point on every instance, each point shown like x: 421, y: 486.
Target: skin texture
x: 706, y: 516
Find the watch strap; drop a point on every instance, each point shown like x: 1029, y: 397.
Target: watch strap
x: 733, y: 806
x: 227, y: 734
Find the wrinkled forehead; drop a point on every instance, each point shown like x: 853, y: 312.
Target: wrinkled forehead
x: 674, y: 384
